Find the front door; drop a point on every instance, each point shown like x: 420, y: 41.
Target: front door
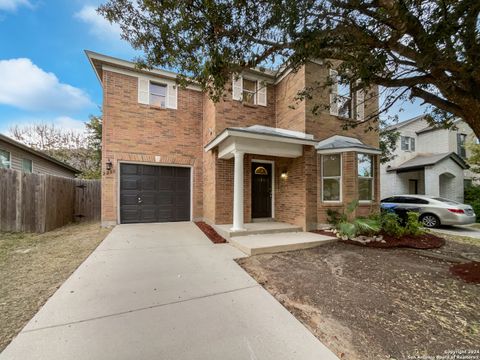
x: 261, y: 190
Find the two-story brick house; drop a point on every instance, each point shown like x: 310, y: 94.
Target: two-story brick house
x: 428, y: 160
x: 172, y: 154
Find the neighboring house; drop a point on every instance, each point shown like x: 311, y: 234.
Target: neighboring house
x: 428, y: 160
x: 14, y: 155
x: 171, y: 154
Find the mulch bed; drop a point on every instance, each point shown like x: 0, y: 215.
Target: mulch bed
x: 469, y: 272
x: 210, y: 232
x: 425, y: 241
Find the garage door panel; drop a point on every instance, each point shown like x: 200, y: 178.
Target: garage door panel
x: 164, y: 192
x: 130, y: 183
x: 129, y: 169
x: 167, y: 183
x: 149, y: 183
x: 129, y: 199
x: 149, y: 170
x: 149, y: 214
x: 130, y: 215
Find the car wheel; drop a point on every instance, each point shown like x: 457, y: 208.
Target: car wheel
x: 430, y: 220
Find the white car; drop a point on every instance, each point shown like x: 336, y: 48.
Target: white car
x: 435, y: 211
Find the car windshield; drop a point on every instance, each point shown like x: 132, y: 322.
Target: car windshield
x: 447, y: 201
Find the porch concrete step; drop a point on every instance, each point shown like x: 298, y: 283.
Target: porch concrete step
x: 279, y: 242
x: 270, y: 227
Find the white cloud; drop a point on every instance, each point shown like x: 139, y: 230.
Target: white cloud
x: 12, y: 5
x: 68, y: 123
x: 98, y: 25
x: 24, y: 85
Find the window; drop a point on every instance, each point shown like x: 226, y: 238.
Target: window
x: 158, y: 95
x: 407, y: 143
x: 27, y: 165
x: 249, y: 91
x: 365, y: 177
x: 344, y: 99
x: 461, y: 139
x: 260, y: 170
x: 4, y: 159
x: 332, y: 177
x: 467, y: 183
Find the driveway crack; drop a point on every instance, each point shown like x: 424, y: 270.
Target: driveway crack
x: 139, y: 309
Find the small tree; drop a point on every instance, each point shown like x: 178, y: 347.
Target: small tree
x: 80, y: 149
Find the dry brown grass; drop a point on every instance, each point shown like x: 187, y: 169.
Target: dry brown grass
x: 33, y: 266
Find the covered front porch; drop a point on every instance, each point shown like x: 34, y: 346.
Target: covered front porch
x: 267, y: 183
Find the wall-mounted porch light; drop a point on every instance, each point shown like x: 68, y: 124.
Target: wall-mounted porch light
x: 109, y: 165
x: 284, y: 174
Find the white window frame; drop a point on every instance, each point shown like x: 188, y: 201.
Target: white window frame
x: 409, y: 140
x: 254, y: 93
x: 260, y: 94
x: 150, y: 93
x: 171, y: 100
x: 367, y: 177
x: 357, y: 99
x: 340, y: 179
x: 9, y: 159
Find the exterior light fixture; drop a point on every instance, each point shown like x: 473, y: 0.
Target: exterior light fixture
x: 109, y: 165
x: 284, y: 175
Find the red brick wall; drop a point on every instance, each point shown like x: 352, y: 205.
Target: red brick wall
x: 290, y: 113
x: 139, y: 133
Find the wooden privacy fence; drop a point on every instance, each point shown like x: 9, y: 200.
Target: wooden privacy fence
x: 40, y: 203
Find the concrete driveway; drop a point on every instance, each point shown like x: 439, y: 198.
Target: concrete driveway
x: 459, y: 230
x: 163, y: 291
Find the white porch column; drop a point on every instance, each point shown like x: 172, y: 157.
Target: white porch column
x: 238, y: 192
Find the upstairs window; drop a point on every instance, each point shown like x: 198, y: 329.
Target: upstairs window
x: 158, y: 95
x: 407, y: 143
x: 365, y: 177
x: 5, y: 159
x: 461, y: 140
x: 27, y: 165
x: 332, y: 177
x: 344, y: 101
x: 249, y: 90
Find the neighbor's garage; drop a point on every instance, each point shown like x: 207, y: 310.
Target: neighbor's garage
x: 154, y: 193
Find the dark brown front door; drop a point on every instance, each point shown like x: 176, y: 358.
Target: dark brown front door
x: 261, y: 190
x: 154, y: 193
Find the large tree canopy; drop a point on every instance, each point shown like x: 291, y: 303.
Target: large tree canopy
x: 426, y: 49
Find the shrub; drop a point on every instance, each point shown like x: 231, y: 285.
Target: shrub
x: 334, y: 217
x: 413, y: 226
x: 390, y: 223
x: 472, y: 198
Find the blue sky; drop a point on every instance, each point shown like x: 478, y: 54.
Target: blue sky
x: 44, y: 74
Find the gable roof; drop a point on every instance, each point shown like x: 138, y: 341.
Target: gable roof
x: 38, y: 153
x: 404, y: 123
x: 98, y: 61
x: 420, y: 161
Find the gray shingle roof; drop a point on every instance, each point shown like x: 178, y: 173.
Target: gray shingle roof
x: 338, y: 142
x: 420, y: 161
